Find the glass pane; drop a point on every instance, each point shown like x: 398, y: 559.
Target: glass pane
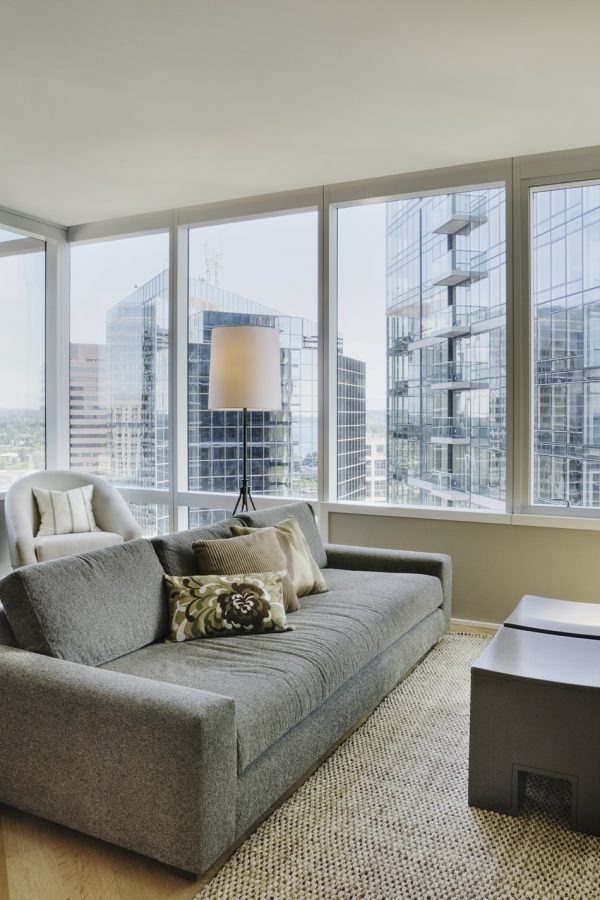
x: 565, y: 288
x: 198, y: 517
x: 119, y: 360
x: 22, y: 356
x: 258, y: 272
x: 422, y: 319
x: 566, y: 345
x: 153, y: 518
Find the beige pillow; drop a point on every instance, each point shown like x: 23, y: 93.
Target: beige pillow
x: 305, y: 574
x: 250, y: 553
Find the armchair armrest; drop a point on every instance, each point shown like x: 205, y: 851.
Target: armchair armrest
x: 143, y: 764
x: 372, y: 559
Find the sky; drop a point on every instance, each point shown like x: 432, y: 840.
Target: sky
x: 22, y: 301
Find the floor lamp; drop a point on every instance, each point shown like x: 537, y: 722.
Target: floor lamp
x: 245, y: 373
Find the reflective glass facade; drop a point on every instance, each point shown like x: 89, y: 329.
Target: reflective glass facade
x: 446, y: 350
x: 565, y: 236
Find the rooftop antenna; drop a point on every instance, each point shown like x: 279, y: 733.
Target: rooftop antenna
x: 213, y: 265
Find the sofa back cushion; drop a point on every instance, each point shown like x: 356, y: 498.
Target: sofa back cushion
x: 305, y: 515
x: 175, y: 550
x: 89, y: 608
x: 7, y: 638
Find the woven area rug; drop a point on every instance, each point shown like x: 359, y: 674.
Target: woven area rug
x: 387, y: 817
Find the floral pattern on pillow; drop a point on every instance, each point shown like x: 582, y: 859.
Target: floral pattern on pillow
x: 204, y: 606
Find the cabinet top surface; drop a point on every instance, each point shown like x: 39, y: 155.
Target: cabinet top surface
x: 548, y: 658
x: 551, y: 615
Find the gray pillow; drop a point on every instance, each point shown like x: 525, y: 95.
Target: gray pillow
x: 301, y: 511
x: 175, y: 550
x: 89, y: 608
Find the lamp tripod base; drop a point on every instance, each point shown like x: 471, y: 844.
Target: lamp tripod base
x: 244, y: 500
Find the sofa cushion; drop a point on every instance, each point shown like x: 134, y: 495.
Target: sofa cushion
x: 277, y: 680
x: 258, y: 552
x: 65, y: 512
x: 175, y: 550
x: 89, y: 608
x: 303, y: 571
x: 301, y: 511
x: 7, y: 638
x: 55, y: 546
x: 205, y: 606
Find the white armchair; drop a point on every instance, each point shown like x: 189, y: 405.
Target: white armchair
x: 111, y: 513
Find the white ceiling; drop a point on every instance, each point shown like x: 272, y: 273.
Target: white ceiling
x: 115, y: 107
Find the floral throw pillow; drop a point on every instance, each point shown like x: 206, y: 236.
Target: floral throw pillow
x: 217, y: 605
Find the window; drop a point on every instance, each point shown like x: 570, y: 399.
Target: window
x: 119, y: 360
x: 22, y: 356
x: 421, y: 361
x: 565, y: 290
x: 256, y: 272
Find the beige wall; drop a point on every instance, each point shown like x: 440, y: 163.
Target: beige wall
x: 494, y: 565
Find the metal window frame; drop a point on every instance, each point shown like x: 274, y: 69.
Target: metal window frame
x: 551, y: 170
x: 56, y: 339
x: 518, y: 174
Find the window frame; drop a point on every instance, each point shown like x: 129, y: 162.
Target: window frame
x: 551, y: 170
x: 55, y: 363
x: 518, y: 174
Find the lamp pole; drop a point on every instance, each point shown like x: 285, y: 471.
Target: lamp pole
x: 245, y: 494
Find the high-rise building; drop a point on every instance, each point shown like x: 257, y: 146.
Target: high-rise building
x: 565, y: 238
x: 137, y: 386
x: 283, y: 445
x: 446, y: 345
x: 87, y: 408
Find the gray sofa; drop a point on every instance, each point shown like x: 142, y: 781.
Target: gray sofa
x: 177, y: 750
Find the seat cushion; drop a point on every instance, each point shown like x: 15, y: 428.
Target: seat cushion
x: 55, y: 546
x: 277, y: 680
x: 88, y: 608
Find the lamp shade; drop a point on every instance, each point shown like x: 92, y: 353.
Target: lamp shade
x: 245, y: 368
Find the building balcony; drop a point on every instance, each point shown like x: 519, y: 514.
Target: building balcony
x: 448, y: 376
x: 460, y: 214
x: 446, y: 485
x: 405, y: 431
x: 458, y: 267
x: 399, y: 345
x: 399, y: 388
x: 449, y: 430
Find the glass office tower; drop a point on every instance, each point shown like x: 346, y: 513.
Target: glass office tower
x: 565, y: 242
x: 283, y: 445
x: 446, y: 350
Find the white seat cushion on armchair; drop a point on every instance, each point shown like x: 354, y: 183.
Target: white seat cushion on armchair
x: 55, y: 546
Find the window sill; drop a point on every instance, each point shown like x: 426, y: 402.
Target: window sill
x: 536, y: 520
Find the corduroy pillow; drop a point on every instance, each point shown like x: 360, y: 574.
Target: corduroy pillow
x: 249, y: 553
x: 305, y: 574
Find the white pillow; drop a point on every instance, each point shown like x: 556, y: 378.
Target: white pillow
x: 65, y: 512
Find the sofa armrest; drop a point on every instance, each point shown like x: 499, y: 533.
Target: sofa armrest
x: 371, y: 559
x: 146, y: 765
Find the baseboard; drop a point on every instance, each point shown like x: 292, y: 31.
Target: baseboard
x: 473, y: 623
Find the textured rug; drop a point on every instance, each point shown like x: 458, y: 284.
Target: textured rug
x: 387, y: 817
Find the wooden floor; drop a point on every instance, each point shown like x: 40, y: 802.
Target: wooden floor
x: 43, y: 861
